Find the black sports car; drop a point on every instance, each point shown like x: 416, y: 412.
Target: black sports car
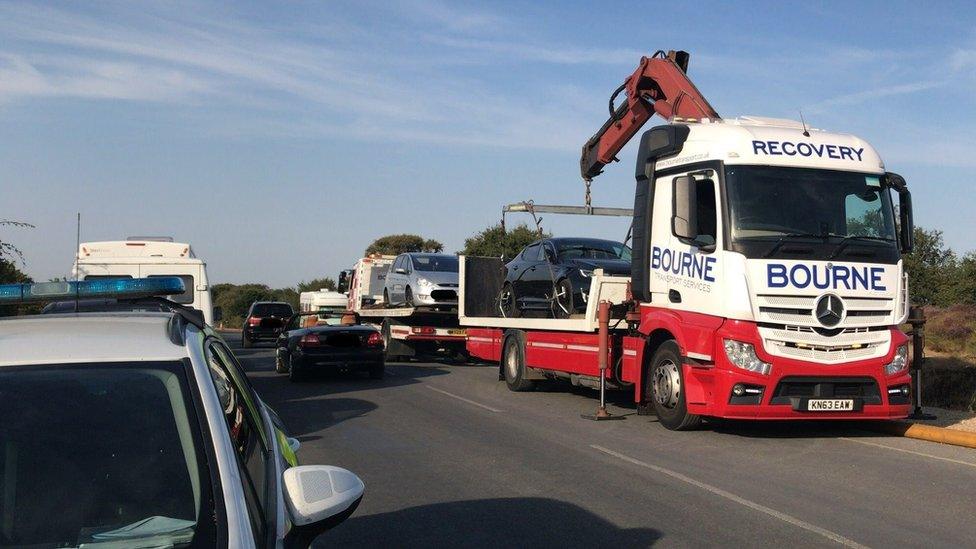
x: 553, y: 275
x: 320, y: 341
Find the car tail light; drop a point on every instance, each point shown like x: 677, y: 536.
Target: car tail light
x: 374, y: 340
x: 309, y: 340
x: 253, y: 321
x: 424, y: 330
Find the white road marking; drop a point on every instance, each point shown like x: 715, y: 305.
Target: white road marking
x: 732, y: 497
x: 913, y: 452
x: 461, y: 398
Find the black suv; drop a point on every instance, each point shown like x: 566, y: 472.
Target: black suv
x: 264, y: 320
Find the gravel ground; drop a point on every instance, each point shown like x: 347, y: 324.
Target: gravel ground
x: 951, y: 419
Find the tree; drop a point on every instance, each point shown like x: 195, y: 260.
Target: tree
x: 495, y: 241
x: 316, y: 284
x: 931, y: 269
x: 396, y: 244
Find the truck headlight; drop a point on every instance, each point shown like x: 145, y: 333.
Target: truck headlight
x: 743, y: 355
x: 899, y: 362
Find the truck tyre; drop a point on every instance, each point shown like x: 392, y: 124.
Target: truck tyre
x: 513, y: 364
x: 245, y: 342
x: 664, y: 387
x: 507, y: 302
x: 562, y: 299
x: 295, y: 373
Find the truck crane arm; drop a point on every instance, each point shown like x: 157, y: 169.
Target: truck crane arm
x: 659, y: 85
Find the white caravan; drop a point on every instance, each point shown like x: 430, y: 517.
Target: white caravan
x: 141, y: 257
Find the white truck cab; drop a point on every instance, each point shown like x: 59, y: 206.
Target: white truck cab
x: 149, y: 257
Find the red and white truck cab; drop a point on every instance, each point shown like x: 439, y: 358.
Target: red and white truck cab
x: 767, y: 282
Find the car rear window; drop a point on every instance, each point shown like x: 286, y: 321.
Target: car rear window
x: 188, y: 287
x: 436, y: 263
x: 271, y: 309
x: 101, y: 454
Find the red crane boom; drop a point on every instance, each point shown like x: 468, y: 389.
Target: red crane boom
x: 659, y: 85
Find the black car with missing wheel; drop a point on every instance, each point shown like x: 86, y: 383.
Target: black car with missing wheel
x: 264, y: 321
x: 316, y: 342
x: 552, y: 275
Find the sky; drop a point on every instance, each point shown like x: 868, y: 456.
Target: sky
x: 280, y: 139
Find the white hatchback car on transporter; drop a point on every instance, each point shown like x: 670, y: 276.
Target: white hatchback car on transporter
x: 140, y: 429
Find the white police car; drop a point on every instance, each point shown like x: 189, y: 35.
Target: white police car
x: 140, y: 429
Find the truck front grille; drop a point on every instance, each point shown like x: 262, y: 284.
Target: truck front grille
x: 827, y: 347
x: 864, y: 388
x: 799, y: 310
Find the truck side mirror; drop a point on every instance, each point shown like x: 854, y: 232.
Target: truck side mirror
x: 906, y: 220
x: 684, y: 218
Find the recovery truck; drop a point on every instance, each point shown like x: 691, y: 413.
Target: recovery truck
x: 767, y: 278
x: 407, y: 331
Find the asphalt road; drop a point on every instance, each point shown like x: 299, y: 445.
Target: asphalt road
x: 451, y: 457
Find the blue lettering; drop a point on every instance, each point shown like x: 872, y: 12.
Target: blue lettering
x: 698, y: 267
x: 819, y: 149
x: 791, y: 152
x: 832, y: 152
x: 876, y: 278
x: 757, y: 146
x: 776, y: 275
x: 845, y: 152
x: 655, y: 257
x: 826, y: 278
x: 804, y: 149
x: 859, y: 276
x: 838, y: 277
x: 802, y: 269
x: 774, y: 148
x: 709, y: 263
x: 858, y: 153
x: 686, y: 264
x: 666, y: 260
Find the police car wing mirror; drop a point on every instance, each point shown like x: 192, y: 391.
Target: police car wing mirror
x: 400, y: 271
x: 318, y: 497
x: 684, y: 200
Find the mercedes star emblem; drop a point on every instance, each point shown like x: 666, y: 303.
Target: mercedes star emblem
x: 830, y: 310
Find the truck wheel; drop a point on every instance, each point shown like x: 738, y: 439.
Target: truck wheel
x: 507, y: 302
x: 295, y: 373
x: 664, y: 387
x: 513, y: 365
x: 562, y: 303
x: 245, y: 342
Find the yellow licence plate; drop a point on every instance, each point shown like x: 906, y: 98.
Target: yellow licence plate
x: 457, y: 332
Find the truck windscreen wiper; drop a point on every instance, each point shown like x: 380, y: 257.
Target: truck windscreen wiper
x: 787, y: 236
x: 848, y: 239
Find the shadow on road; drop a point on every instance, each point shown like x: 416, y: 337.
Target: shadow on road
x: 793, y: 429
x: 502, y: 522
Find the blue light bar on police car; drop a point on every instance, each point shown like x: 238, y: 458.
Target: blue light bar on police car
x: 120, y: 288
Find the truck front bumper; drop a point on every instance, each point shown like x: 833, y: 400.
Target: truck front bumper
x: 717, y: 388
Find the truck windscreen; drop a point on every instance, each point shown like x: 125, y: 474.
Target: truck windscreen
x: 820, y: 212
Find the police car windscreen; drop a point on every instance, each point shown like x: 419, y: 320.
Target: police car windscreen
x: 93, y: 454
x: 774, y: 201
